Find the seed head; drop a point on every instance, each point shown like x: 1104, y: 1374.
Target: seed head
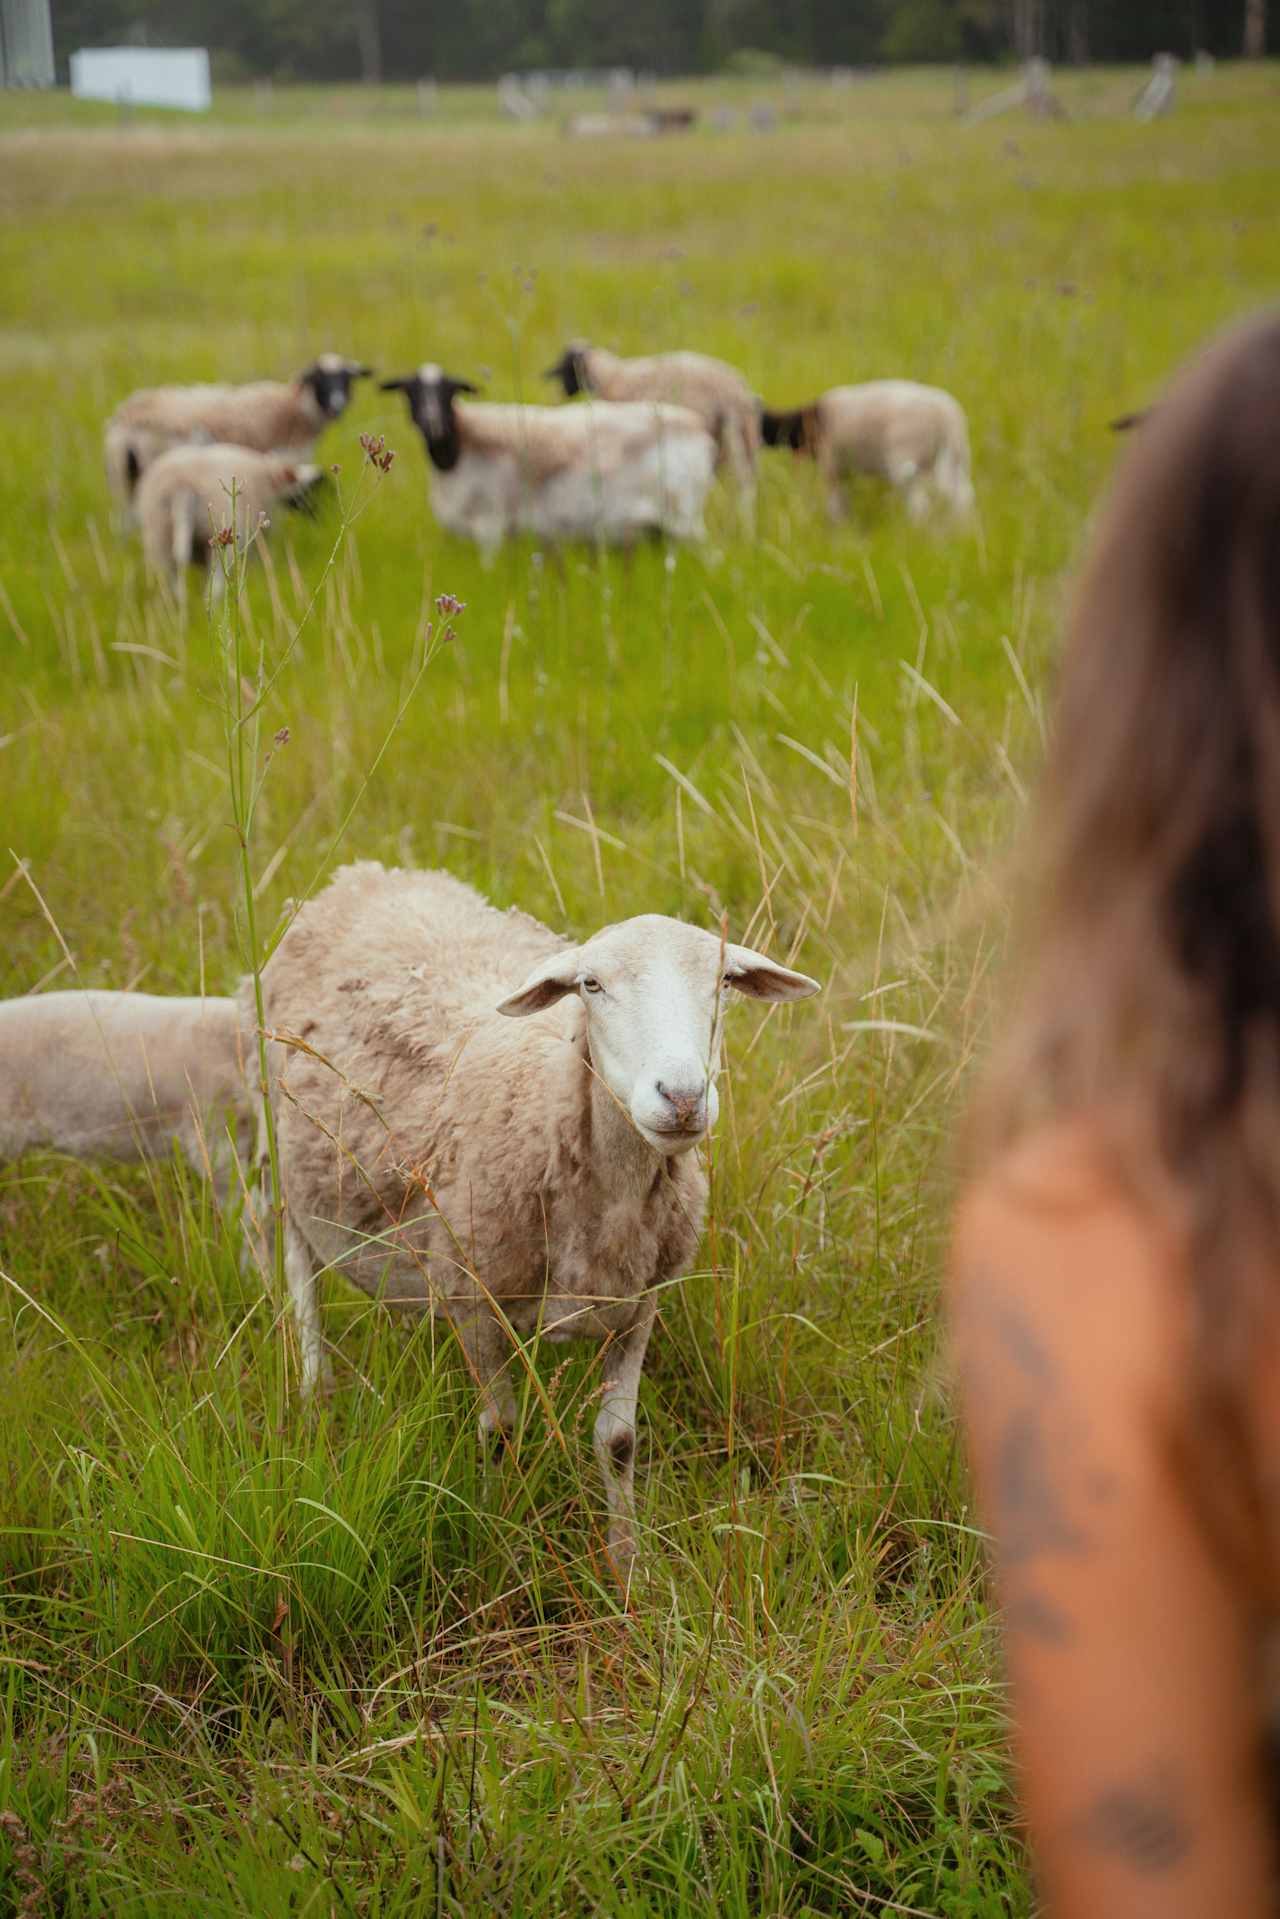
x: 376, y: 451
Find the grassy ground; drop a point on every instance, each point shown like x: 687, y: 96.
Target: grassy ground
x: 256, y: 1662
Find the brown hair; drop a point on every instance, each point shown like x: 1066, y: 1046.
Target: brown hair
x: 1150, y: 995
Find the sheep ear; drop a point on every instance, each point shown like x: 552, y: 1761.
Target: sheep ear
x: 405, y: 384
x: 760, y: 978
x: 544, y: 986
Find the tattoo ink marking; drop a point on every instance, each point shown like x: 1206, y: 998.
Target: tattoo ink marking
x: 1028, y: 1353
x: 1144, y: 1826
x: 1033, y: 1519
x: 1033, y: 1616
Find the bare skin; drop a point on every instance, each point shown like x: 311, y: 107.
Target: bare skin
x: 1133, y: 1652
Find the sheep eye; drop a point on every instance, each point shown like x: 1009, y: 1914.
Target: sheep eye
x: 590, y: 984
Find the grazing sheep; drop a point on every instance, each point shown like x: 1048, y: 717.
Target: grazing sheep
x: 519, y: 1179
x: 270, y: 416
x: 184, y: 504
x: 123, y: 1076
x: 611, y: 126
x: 713, y: 389
x: 916, y: 437
x: 607, y: 474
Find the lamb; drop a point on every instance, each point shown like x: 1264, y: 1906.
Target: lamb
x: 124, y: 1076
x: 711, y: 388
x: 184, y: 504
x: 916, y: 437
x: 607, y: 474
x: 518, y: 1180
x: 270, y: 416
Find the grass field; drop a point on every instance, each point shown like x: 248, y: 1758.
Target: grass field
x: 254, y: 1661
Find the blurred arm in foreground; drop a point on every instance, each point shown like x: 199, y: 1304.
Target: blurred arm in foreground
x: 1115, y: 1287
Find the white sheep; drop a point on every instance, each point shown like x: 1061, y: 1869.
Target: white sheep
x: 184, y: 505
x: 124, y: 1076
x: 270, y: 416
x: 915, y: 437
x: 711, y: 388
x: 525, y: 1179
x: 606, y: 474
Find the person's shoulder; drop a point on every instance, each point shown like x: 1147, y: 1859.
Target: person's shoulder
x: 1058, y: 1229
x: 1067, y: 1178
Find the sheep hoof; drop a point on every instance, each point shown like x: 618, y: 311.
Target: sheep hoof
x: 496, y: 1438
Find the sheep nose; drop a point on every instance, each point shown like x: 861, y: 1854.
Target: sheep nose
x: 687, y: 1103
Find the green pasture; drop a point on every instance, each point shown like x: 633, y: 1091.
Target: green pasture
x: 257, y: 1661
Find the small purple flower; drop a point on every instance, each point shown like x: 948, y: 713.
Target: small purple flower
x: 376, y: 451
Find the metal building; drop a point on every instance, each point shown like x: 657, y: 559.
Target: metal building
x: 26, y: 43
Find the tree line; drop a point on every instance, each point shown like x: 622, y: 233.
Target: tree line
x: 479, y: 39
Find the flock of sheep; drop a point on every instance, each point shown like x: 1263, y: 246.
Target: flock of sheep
x: 636, y: 461
x: 469, y: 1115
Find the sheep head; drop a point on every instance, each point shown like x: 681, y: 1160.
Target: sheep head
x: 430, y: 393
x: 796, y: 430
x: 571, y: 369
x: 653, y: 992
x: 330, y: 379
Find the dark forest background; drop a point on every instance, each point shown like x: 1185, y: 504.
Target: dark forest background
x: 478, y: 39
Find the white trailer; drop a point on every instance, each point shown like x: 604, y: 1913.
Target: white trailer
x: 143, y: 76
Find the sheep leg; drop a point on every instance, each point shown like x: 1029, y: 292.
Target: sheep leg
x: 301, y: 1280
x: 919, y: 498
x: 486, y: 1345
x: 207, y: 1153
x: 182, y: 534
x: 829, y: 468
x: 217, y: 576
x: 614, y: 1438
x: 742, y: 464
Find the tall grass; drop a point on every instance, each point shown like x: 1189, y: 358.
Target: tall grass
x: 255, y: 1659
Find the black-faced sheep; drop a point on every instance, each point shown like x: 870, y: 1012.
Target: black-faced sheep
x: 610, y: 475
x: 711, y: 388
x: 915, y: 437
x: 270, y: 416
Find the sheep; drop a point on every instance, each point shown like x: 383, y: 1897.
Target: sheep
x: 124, y: 1076
x: 518, y: 1180
x: 916, y: 437
x: 711, y: 388
x: 607, y: 474
x: 270, y: 416
x: 184, y: 504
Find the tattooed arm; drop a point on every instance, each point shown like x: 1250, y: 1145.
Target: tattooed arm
x: 1138, y: 1716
